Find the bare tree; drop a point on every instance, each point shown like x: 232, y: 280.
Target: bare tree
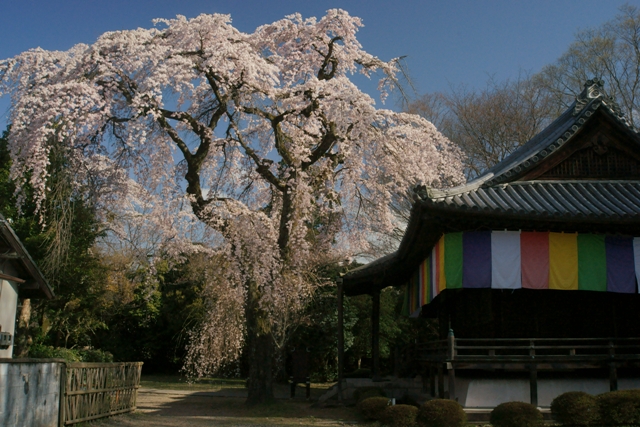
x: 490, y: 123
x: 611, y: 53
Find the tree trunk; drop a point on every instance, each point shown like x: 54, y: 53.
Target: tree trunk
x: 23, y: 339
x: 260, y: 349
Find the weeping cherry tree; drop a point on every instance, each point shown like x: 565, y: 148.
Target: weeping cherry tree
x: 262, y: 138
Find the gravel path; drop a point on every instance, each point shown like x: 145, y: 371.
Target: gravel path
x: 160, y: 408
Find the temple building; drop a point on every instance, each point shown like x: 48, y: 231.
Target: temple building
x: 531, y: 269
x: 20, y: 278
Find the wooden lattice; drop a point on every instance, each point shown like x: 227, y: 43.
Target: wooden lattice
x: 96, y: 390
x: 596, y: 162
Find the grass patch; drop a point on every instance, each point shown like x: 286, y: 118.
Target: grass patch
x: 179, y: 382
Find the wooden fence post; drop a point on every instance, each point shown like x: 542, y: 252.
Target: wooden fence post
x: 63, y: 390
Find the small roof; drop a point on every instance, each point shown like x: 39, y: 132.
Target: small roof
x: 31, y: 281
x: 536, y: 188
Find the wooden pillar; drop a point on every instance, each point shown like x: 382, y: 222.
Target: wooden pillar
x: 340, y: 337
x: 613, y: 377
x: 533, y: 375
x: 440, y: 381
x: 451, y: 345
x: 432, y: 381
x: 451, y: 355
x: 451, y: 373
x: 533, y: 384
x: 613, y: 369
x: 375, y: 334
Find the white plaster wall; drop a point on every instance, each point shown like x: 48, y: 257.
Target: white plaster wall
x: 8, y: 305
x: 30, y: 394
x: 490, y: 392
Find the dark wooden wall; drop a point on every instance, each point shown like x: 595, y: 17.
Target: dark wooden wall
x: 524, y: 313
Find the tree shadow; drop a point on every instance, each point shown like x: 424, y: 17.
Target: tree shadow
x: 230, y: 403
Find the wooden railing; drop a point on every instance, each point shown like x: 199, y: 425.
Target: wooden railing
x: 96, y: 390
x: 524, y: 354
x: 530, y: 349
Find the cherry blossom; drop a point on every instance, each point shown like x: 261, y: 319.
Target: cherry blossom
x: 262, y: 138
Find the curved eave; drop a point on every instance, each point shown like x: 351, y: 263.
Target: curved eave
x: 391, y: 270
x: 35, y: 284
x: 365, y: 279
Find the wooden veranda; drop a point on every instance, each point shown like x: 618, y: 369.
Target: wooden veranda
x: 442, y: 359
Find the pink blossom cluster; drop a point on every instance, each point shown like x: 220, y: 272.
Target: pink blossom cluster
x: 261, y: 137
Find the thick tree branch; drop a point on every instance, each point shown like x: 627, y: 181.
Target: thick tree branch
x: 262, y: 165
x: 324, y: 73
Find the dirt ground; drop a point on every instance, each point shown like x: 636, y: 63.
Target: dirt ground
x: 177, y: 408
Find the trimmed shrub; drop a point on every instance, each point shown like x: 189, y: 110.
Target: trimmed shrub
x: 441, y: 413
x: 39, y: 351
x: 366, y: 392
x: 516, y: 414
x: 575, y: 408
x: 95, y: 355
x: 619, y: 407
x: 373, y: 407
x: 399, y: 416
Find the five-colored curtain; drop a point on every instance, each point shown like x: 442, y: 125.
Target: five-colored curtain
x: 531, y: 260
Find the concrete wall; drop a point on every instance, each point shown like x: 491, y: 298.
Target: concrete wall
x: 490, y: 392
x: 8, y: 305
x: 30, y: 392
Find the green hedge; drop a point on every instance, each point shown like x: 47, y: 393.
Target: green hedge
x: 373, y: 407
x: 399, y: 416
x: 619, y: 407
x: 441, y: 413
x: 39, y: 351
x: 516, y: 414
x: 575, y: 408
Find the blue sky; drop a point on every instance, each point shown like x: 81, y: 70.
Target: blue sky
x: 447, y: 42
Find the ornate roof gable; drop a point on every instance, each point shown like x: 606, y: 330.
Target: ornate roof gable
x: 586, y: 164
x: 591, y: 140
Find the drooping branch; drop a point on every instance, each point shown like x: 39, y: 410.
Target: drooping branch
x: 324, y: 73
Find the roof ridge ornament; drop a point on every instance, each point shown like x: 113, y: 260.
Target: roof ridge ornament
x: 420, y: 192
x: 594, y: 89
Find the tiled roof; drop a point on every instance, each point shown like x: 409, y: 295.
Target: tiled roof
x: 498, y: 189
x: 588, y: 199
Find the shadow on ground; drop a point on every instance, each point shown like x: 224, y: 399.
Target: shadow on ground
x: 226, y: 407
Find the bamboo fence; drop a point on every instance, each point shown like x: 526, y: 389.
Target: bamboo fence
x: 96, y: 390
